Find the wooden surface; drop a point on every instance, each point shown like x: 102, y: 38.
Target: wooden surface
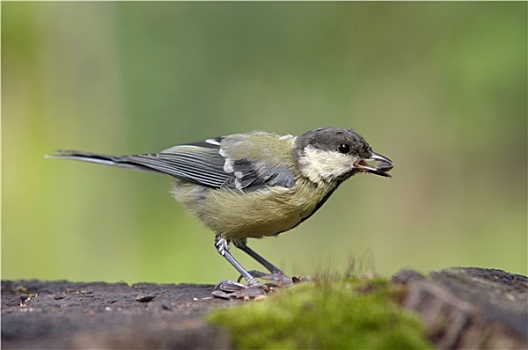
x: 469, y: 308
x: 462, y: 308
x: 66, y: 315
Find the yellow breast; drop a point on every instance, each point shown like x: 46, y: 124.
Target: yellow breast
x: 238, y: 215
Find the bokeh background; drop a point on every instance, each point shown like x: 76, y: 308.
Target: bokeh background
x: 440, y: 88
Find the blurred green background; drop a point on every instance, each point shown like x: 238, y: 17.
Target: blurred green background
x: 440, y: 88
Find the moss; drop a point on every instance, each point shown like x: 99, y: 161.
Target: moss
x: 346, y: 314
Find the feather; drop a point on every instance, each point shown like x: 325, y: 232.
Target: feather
x: 212, y: 163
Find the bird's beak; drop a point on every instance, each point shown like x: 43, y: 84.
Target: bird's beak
x: 382, y: 169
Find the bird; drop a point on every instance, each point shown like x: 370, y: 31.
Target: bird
x: 254, y: 185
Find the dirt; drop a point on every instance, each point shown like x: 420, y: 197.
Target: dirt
x: 461, y: 308
x: 66, y: 315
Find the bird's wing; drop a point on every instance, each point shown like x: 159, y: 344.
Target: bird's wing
x: 214, y: 163
x: 204, y: 167
x: 205, y: 163
x: 189, y: 163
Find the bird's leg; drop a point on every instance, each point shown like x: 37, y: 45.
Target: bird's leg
x: 242, y: 245
x: 276, y: 274
x: 222, y: 246
x: 230, y: 289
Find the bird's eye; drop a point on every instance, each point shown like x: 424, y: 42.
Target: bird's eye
x: 344, y: 148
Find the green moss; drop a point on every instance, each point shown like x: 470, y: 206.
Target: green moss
x: 326, y: 315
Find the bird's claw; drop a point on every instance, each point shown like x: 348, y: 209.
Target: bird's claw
x: 278, y: 277
x: 229, y: 286
x: 233, y: 290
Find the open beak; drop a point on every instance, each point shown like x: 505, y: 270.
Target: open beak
x: 381, y: 169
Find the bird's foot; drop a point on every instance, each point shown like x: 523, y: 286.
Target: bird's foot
x: 233, y: 290
x: 278, y: 278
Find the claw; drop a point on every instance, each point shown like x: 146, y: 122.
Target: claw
x: 229, y: 290
x: 229, y: 286
x: 279, y: 277
x: 233, y: 290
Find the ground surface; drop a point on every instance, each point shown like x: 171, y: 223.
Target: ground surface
x: 65, y: 315
x: 461, y: 307
x: 469, y: 308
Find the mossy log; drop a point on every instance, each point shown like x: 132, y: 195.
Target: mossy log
x: 469, y: 308
x: 460, y: 307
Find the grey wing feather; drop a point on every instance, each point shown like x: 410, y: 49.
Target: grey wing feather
x: 200, y: 163
x: 244, y: 174
x: 203, y: 167
x: 252, y: 176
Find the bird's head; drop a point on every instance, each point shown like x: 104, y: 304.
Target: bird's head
x: 334, y: 154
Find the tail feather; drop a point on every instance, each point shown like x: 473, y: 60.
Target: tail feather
x: 118, y: 161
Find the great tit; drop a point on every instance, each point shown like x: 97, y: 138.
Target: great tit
x: 255, y: 184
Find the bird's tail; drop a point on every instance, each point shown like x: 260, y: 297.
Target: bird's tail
x: 129, y: 162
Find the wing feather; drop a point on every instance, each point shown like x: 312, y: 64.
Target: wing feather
x: 210, y: 163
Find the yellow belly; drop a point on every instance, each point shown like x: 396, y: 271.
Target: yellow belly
x: 238, y: 215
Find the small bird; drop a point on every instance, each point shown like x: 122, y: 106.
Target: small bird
x: 254, y: 184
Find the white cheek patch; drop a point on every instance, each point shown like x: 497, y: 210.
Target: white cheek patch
x: 324, y: 166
